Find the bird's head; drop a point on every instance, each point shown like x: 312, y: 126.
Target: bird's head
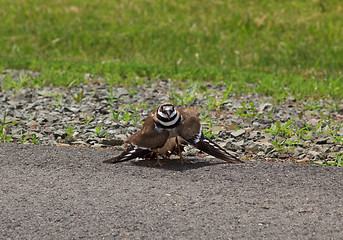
x: 166, y: 111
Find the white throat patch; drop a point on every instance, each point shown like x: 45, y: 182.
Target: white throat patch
x: 167, y: 124
x: 165, y: 115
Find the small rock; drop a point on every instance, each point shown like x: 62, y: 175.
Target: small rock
x: 313, y: 122
x: 261, y: 154
x: 265, y: 142
x: 237, y: 133
x: 51, y: 119
x: 337, y: 148
x: 192, y: 152
x: 233, y: 146
x: 18, y: 137
x: 302, y: 157
x: 48, y: 129
x: 253, y: 148
x: 112, y: 142
x: 33, y: 125
x: 264, y: 107
x: 240, y: 143
x: 256, y: 125
x: 71, y: 109
x: 284, y: 155
x: 98, y: 145
x: 81, y: 143
x: 322, y: 140
x: 60, y: 133
x: 298, y: 151
x: 314, y: 154
x: 254, y: 134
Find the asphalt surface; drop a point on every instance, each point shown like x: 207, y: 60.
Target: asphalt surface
x: 68, y: 193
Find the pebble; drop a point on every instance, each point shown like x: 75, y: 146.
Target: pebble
x: 237, y: 133
x: 49, y: 112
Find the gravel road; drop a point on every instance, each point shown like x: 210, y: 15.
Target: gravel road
x: 49, y: 192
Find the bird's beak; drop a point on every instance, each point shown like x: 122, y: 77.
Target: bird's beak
x: 169, y: 112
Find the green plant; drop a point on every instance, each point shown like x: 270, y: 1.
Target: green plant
x: 291, y: 143
x: 303, y: 133
x: 334, y: 106
x: 132, y: 91
x: 333, y: 128
x: 99, y: 132
x: 23, y: 138
x: 136, y: 117
x: 262, y: 55
x: 131, y: 113
x: 337, y: 162
x: 77, y: 97
x: 312, y: 106
x: 214, y: 103
x: 271, y: 113
x: 3, y: 136
x: 248, y: 110
x: 278, y: 145
x: 210, y: 126
x: 126, y: 116
x: 284, y: 144
x: 70, y: 133
x: 115, y: 114
x: 34, y: 139
x: 58, y: 97
x: 87, y: 121
x: 280, y: 129
x: 186, y: 98
x: 111, y: 97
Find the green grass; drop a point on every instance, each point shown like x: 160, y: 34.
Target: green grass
x: 295, y: 45
x: 337, y: 162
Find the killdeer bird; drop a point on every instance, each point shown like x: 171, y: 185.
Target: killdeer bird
x: 165, y: 126
x: 170, y: 147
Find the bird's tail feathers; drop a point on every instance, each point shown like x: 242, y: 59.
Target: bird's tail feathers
x: 213, y: 149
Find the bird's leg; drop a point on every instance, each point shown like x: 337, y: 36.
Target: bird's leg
x: 182, y: 160
x: 158, y: 163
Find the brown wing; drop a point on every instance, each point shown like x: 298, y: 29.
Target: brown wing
x: 208, y: 146
x: 148, y: 136
x: 131, y: 152
x: 191, y: 131
x: 190, y: 126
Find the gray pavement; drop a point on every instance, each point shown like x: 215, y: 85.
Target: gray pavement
x: 68, y: 193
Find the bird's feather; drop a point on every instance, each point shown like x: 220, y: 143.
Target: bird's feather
x: 131, y: 152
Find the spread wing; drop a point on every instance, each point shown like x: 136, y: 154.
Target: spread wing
x: 150, y: 136
x: 131, y: 152
x: 208, y: 146
x: 190, y: 126
x: 191, y: 131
